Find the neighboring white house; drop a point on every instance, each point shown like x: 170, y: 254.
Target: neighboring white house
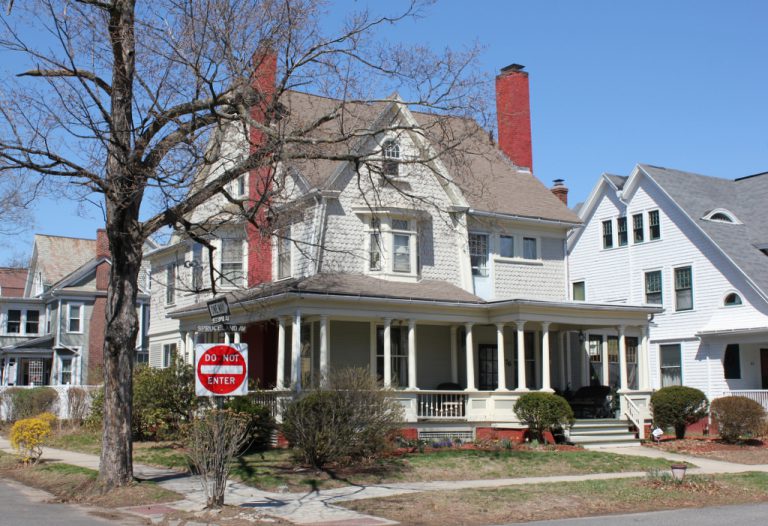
x: 698, y: 247
x: 433, y: 276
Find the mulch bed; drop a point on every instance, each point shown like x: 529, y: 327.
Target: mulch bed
x: 746, y: 452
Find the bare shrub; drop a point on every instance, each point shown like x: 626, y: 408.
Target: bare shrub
x: 352, y: 419
x: 216, y: 437
x: 77, y: 402
x: 737, y: 417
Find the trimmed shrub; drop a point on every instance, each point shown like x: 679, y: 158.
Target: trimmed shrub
x: 737, y: 416
x: 28, y: 436
x: 260, y: 421
x: 23, y: 403
x: 543, y: 412
x: 678, y: 406
x: 351, y: 420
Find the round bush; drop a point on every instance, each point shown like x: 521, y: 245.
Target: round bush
x: 260, y: 422
x: 737, y: 416
x: 28, y: 436
x: 543, y: 412
x: 678, y: 406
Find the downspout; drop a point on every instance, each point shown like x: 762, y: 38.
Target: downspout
x: 320, y: 230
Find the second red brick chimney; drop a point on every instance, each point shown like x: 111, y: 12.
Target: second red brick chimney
x: 102, y: 243
x: 513, y: 114
x: 560, y: 190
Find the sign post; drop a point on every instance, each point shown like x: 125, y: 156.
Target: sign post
x: 221, y: 369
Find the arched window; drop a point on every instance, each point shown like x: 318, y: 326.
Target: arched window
x: 391, y: 154
x: 732, y: 299
x: 721, y: 215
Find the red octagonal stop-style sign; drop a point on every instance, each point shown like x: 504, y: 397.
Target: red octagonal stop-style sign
x: 221, y: 369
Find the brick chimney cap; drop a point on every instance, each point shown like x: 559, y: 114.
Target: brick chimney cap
x: 512, y: 68
x: 559, y: 182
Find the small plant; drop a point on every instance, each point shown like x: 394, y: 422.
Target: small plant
x: 506, y: 443
x: 77, y: 404
x: 215, y: 439
x: 543, y: 412
x: 678, y: 406
x: 28, y: 437
x: 737, y: 416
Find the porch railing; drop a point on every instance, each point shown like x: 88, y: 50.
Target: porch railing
x: 441, y: 405
x: 275, y: 401
x: 758, y: 395
x: 635, y: 416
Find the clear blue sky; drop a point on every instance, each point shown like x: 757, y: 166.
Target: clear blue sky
x: 680, y: 84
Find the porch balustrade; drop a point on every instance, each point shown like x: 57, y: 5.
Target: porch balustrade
x: 758, y: 395
x: 441, y: 405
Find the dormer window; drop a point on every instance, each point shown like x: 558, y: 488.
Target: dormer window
x: 720, y: 215
x: 732, y: 299
x: 391, y: 154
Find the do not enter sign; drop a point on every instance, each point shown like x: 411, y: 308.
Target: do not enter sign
x: 221, y: 369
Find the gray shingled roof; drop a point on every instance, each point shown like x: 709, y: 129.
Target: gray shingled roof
x: 617, y: 180
x: 342, y: 284
x: 746, y: 198
x: 59, y: 256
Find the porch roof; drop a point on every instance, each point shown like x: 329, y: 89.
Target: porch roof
x: 41, y: 343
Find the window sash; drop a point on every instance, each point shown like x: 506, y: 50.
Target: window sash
x: 621, y: 226
x: 391, y: 154
x: 74, y: 313
x: 478, y: 254
x: 671, y: 368
x: 579, y: 291
x: 374, y: 262
x: 654, y: 226
x: 398, y: 337
x: 607, y: 234
x: 507, y: 246
x: 401, y: 250
x: 65, y: 374
x: 197, y: 267
x: 683, y: 289
x: 232, y: 274
x: 613, y: 349
x: 13, y: 322
x: 529, y: 248
x: 170, y: 284
x: 32, y: 325
x: 653, y: 293
x: 631, y: 344
x: 283, y: 257
x: 595, y: 348
x: 637, y: 227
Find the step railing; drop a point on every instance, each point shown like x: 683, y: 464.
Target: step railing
x: 442, y: 405
x: 635, y: 415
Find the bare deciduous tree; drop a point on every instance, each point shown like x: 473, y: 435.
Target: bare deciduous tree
x: 130, y: 101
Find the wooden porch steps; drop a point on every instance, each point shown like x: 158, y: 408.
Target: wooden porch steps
x: 602, y: 432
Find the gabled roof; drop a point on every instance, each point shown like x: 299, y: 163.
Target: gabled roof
x: 697, y: 195
x: 489, y: 181
x: 59, y: 256
x: 12, y: 281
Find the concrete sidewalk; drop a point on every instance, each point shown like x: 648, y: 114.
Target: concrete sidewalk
x: 320, y: 507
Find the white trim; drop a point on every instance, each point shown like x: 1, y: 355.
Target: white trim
x: 81, y: 318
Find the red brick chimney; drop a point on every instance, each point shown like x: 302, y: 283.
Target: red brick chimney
x: 560, y: 190
x: 98, y: 321
x: 260, y: 245
x: 102, y: 243
x: 513, y: 113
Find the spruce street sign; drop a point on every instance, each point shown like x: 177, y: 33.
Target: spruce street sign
x: 221, y: 369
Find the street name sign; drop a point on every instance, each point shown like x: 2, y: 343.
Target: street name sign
x: 221, y: 369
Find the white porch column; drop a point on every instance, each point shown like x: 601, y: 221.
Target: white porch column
x: 644, y: 376
x: 536, y: 380
x: 325, y: 361
x: 470, y: 352
x: 546, y: 376
x: 606, y: 365
x: 623, y: 383
x: 454, y: 355
x: 412, y: 355
x: 191, y: 339
x: 296, y: 351
x: 227, y: 339
x: 522, y: 385
x: 500, y: 352
x: 387, y: 352
x: 280, y: 381
x: 183, y: 351
x: 236, y: 336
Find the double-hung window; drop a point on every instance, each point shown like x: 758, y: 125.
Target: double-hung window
x: 683, y: 289
x: 507, y: 246
x: 671, y: 370
x: 13, y: 322
x: 65, y: 371
x: 654, y: 227
x: 284, y: 266
x: 478, y: 254
x: 653, y: 287
x: 32, y: 325
x: 74, y: 317
x: 530, y: 249
x: 579, y: 291
x: 391, y: 154
x: 621, y: 226
x: 232, y: 274
x: 401, y: 245
x: 170, y: 284
x: 637, y: 228
x: 608, y: 234
x: 169, y: 354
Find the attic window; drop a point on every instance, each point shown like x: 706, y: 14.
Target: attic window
x: 721, y: 216
x: 391, y: 153
x: 732, y: 299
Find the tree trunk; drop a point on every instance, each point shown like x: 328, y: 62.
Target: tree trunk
x: 116, y: 466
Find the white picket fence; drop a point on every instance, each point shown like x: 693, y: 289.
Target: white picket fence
x: 61, y: 407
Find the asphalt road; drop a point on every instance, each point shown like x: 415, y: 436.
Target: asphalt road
x: 20, y: 505
x: 740, y: 515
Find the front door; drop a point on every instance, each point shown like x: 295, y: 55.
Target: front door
x: 764, y: 367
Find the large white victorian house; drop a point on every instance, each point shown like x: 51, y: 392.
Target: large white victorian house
x: 697, y: 246
x: 447, y: 279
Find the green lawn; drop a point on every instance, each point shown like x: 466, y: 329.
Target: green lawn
x: 561, y: 500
